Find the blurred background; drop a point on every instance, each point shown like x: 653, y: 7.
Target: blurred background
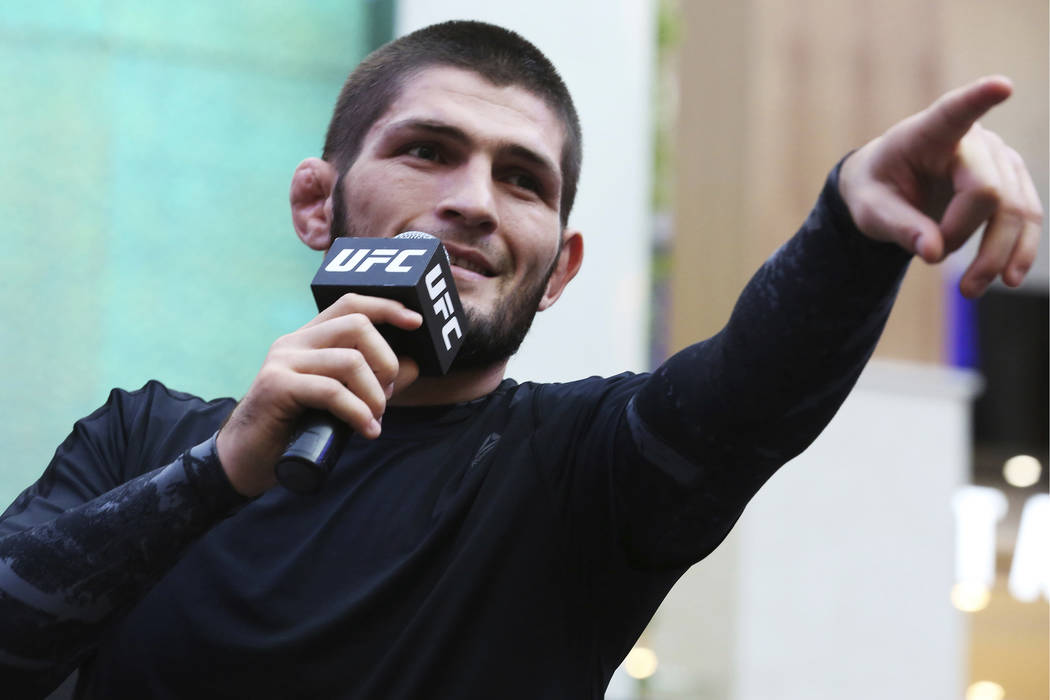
x: 143, y: 206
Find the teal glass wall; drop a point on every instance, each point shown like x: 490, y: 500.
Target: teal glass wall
x: 145, y: 155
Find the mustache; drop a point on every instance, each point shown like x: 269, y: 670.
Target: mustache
x: 463, y: 237
x: 496, y: 257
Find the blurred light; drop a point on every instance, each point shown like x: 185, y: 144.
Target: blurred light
x: 1022, y: 471
x: 1030, y: 570
x: 970, y: 597
x: 977, y: 510
x: 640, y: 663
x: 985, y: 690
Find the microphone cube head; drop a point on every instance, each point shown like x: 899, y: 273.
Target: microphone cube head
x: 412, y: 270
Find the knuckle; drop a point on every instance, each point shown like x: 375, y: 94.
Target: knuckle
x: 868, y: 218
x: 278, y: 357
x: 269, y: 379
x: 332, y: 391
x: 992, y: 136
x: 357, y: 322
x: 988, y: 194
x: 348, y: 300
x: 282, y: 342
x: 355, y: 360
x: 1012, y: 211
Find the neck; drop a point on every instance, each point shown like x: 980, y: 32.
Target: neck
x: 454, y: 387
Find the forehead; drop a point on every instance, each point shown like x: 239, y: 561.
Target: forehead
x: 465, y: 99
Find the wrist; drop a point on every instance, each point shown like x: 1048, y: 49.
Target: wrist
x: 243, y: 471
x: 204, y: 469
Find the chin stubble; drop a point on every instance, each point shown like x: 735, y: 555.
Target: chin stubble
x: 490, y: 339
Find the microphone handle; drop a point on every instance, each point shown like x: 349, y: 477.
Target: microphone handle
x: 318, y: 442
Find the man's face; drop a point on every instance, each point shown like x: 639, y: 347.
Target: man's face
x: 476, y: 166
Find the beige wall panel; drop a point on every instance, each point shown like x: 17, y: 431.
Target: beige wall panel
x: 773, y: 94
x: 710, y: 201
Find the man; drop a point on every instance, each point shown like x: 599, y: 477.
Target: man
x: 478, y: 538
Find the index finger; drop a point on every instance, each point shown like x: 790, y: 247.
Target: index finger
x: 377, y: 309
x: 951, y: 116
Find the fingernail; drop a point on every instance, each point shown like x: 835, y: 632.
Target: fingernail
x: 389, y: 390
x: 375, y: 427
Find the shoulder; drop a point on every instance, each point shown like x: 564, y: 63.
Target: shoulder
x: 583, y: 389
x: 153, y: 403
x: 149, y: 426
x: 583, y: 397
x: 132, y: 433
x: 155, y: 392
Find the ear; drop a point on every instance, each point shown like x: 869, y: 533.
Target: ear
x: 569, y: 260
x: 311, y: 200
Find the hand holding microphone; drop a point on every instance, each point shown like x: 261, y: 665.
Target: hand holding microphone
x: 380, y: 299
x: 412, y: 268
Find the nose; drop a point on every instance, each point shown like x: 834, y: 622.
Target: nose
x: 468, y: 198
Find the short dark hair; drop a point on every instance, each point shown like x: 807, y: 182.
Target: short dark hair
x: 499, y: 55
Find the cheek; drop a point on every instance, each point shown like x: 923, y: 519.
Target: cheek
x: 379, y: 200
x: 359, y: 193
x: 526, y: 225
x: 535, y: 248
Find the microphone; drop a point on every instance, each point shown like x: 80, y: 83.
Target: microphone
x: 413, y: 268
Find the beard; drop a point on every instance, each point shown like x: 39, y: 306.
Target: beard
x: 490, y: 339
x: 493, y: 338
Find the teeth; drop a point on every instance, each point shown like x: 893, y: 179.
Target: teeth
x: 467, y: 265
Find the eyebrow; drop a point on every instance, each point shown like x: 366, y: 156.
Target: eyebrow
x: 456, y: 134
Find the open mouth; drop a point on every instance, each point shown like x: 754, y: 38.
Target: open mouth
x: 471, y: 265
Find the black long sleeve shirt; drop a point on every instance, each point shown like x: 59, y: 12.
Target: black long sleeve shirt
x: 513, y: 546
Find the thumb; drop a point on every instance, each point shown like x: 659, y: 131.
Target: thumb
x: 890, y: 218
x: 407, y: 373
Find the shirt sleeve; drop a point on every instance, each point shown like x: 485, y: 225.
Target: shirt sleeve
x: 83, y: 544
x: 716, y: 420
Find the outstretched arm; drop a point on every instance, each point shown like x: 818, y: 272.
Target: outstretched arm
x: 718, y: 418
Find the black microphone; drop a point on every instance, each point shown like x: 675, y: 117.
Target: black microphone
x: 413, y: 268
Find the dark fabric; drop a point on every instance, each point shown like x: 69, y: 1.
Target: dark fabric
x: 511, y: 547
x: 94, y: 533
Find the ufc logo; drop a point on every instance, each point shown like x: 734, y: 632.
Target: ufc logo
x: 362, y: 259
x: 443, y: 305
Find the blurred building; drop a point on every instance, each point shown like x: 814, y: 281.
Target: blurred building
x: 148, y: 154
x: 837, y: 581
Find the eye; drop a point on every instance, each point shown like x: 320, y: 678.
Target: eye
x: 525, y: 181
x: 423, y: 151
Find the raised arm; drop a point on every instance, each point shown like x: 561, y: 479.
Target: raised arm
x: 718, y: 418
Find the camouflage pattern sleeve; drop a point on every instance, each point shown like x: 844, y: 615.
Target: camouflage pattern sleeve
x: 64, y: 581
